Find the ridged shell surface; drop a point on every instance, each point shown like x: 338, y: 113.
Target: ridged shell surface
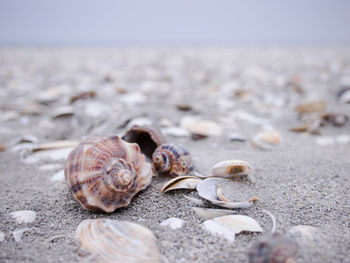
x: 231, y: 168
x: 115, y: 241
x: 172, y: 159
x: 105, y: 172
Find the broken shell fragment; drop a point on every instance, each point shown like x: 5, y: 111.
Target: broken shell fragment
x: 118, y: 241
x: 55, y: 145
x: 181, y: 182
x: 266, y: 140
x: 172, y: 159
x: 147, y: 137
x: 310, y: 107
x: 230, y: 225
x: 275, y: 248
x: 207, y: 189
x: 83, y: 96
x: 105, y: 172
x: 2, y: 237
x: 209, y: 213
x: 173, y: 222
x: 23, y: 216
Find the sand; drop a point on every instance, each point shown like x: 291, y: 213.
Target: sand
x: 299, y: 181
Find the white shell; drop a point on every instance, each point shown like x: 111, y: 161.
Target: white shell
x: 207, y: 189
x: 209, y: 213
x: 229, y: 226
x: 18, y: 234
x: 2, y: 237
x: 173, y: 222
x: 181, y: 182
x: 118, y: 241
x: 23, y: 216
x: 266, y: 140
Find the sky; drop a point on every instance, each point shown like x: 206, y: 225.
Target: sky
x: 176, y: 22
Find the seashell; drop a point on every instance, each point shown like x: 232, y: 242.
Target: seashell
x: 55, y: 154
x: 105, y: 172
x: 207, y: 190
x: 202, y: 128
x: 310, y: 107
x: 275, y: 248
x: 173, y: 222
x: 229, y: 226
x: 266, y: 140
x: 55, y: 145
x: 147, y: 137
x: 83, y: 96
x: 337, y: 120
x: 24, y: 139
x: 232, y: 169
x: 236, y: 137
x: 118, y: 241
x: 133, y: 98
x: 325, y: 141
x: 181, y: 182
x: 2, y: 237
x: 172, y: 159
x: 210, y: 213
x: 177, y: 132
x: 2, y: 147
x: 58, y: 177
x: 64, y: 111
x: 18, y: 234
x: 305, y: 235
x: 23, y: 216
x: 184, y: 107
x: 344, y: 95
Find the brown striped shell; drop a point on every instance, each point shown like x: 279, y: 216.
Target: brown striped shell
x: 105, y: 172
x: 147, y: 137
x: 172, y: 159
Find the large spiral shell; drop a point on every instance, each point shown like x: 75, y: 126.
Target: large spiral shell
x: 105, y: 172
x: 172, y: 159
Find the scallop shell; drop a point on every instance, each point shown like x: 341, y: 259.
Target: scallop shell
x: 172, y: 159
x: 275, y: 248
x: 105, y: 172
x: 118, y: 241
x: 147, y: 137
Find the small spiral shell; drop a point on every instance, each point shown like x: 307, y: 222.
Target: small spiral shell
x: 172, y: 159
x: 105, y: 172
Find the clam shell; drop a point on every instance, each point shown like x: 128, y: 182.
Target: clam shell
x: 118, y: 241
x: 207, y: 189
x: 181, y: 182
x: 105, y: 172
x: 147, y: 137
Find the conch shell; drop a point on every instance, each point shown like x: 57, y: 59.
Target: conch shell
x: 172, y: 159
x: 105, y: 172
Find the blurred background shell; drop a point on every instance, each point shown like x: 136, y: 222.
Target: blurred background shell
x: 105, y: 172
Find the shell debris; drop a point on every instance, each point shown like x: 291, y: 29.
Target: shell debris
x: 173, y: 222
x: 181, y: 182
x: 24, y: 216
x: 2, y: 237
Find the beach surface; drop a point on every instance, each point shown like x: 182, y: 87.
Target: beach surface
x: 303, y: 180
